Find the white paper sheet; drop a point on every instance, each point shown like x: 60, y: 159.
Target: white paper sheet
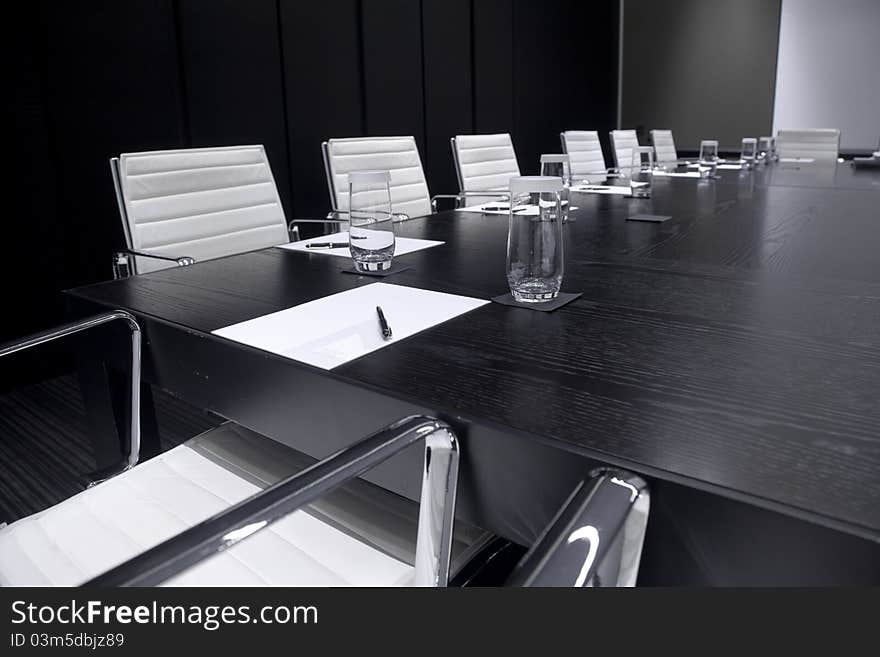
x: 504, y: 209
x: 797, y: 159
x: 333, y: 330
x: 526, y: 210
x: 730, y: 167
x: 402, y: 245
x: 677, y: 174
x: 604, y: 189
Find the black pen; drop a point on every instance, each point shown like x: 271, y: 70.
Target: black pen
x: 327, y: 245
x: 386, y: 330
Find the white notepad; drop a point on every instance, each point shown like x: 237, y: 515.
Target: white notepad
x: 797, y: 159
x: 730, y: 167
x: 333, y: 330
x: 402, y: 245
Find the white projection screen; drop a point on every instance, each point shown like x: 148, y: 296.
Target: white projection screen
x: 828, y: 69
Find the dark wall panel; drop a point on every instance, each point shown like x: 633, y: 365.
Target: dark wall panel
x: 539, y: 71
x: 564, y: 73
x: 393, y: 93
x: 232, y: 82
x: 323, y: 80
x: 589, y: 44
x: 493, y: 65
x: 704, y: 68
x: 449, y: 108
x: 113, y: 86
x: 31, y: 229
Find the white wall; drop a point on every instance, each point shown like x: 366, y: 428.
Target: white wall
x: 828, y: 69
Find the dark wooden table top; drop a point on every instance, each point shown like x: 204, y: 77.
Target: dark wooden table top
x: 735, y: 347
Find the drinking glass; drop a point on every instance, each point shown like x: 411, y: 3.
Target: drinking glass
x: 748, y: 152
x: 709, y: 156
x: 640, y: 171
x: 765, y: 149
x: 371, y: 231
x: 559, y: 166
x: 534, y: 239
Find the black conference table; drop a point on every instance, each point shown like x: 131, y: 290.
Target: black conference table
x: 730, y: 354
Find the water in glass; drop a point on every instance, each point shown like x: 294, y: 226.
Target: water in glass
x: 534, y: 241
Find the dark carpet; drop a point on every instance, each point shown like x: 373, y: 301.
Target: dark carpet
x: 45, y: 453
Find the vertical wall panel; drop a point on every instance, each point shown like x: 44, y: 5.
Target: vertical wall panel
x: 493, y: 66
x: 588, y: 52
x: 394, y: 100
x: 538, y: 85
x: 231, y: 64
x: 113, y: 86
x: 322, y: 70
x: 448, y: 87
x: 33, y: 259
x: 702, y: 68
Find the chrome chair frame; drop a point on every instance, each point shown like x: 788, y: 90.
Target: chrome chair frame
x: 436, y: 513
x: 587, y: 544
x: 135, y: 392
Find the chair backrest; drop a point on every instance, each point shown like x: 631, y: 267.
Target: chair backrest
x: 664, y: 147
x: 484, y: 162
x: 622, y: 144
x: 199, y: 202
x: 585, y: 151
x: 399, y: 155
x: 819, y: 144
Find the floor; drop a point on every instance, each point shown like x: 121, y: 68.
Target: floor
x: 45, y: 454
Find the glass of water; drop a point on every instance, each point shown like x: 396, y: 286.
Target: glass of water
x: 559, y: 166
x: 640, y: 171
x: 749, y: 152
x: 765, y: 149
x: 371, y: 230
x: 709, y: 156
x: 534, y: 239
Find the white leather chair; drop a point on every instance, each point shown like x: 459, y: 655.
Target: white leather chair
x: 398, y: 155
x: 484, y: 163
x: 178, y: 206
x: 821, y: 145
x: 585, y: 151
x: 622, y: 144
x: 345, y: 533
x: 664, y: 147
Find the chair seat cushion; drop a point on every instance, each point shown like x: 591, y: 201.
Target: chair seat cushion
x: 108, y: 524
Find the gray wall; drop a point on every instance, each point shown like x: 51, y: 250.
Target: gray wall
x: 702, y: 68
x: 829, y: 69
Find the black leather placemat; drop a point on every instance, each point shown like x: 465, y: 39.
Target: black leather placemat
x: 394, y: 269
x: 545, y: 306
